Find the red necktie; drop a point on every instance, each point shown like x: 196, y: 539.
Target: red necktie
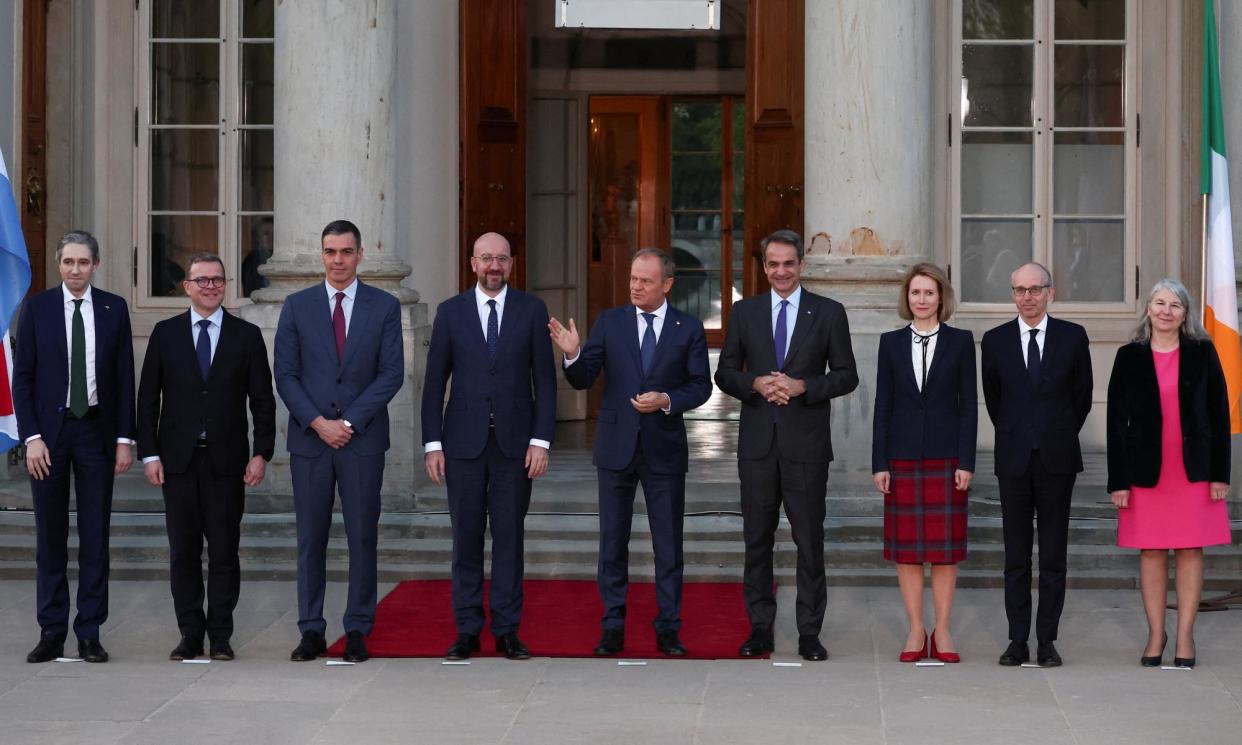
x: 338, y: 326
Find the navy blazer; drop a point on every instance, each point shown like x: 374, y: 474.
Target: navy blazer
x: 518, y: 387
x: 680, y: 369
x: 938, y: 422
x: 41, y: 366
x: 313, y: 382
x: 1048, y: 416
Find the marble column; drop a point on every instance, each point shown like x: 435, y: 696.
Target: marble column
x: 335, y: 158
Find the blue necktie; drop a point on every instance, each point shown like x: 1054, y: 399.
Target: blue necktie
x: 203, y: 348
x: 781, y: 334
x: 646, y: 352
x: 493, y: 330
x: 1032, y: 358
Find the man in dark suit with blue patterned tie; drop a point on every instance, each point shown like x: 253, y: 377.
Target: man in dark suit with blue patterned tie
x: 492, y: 440
x: 654, y: 358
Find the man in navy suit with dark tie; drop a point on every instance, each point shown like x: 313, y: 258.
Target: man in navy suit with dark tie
x: 492, y: 440
x: 1037, y: 386
x: 654, y: 358
x: 338, y: 363
x: 73, y: 391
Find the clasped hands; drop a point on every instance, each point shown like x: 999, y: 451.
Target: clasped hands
x: 333, y: 432
x: 778, y: 388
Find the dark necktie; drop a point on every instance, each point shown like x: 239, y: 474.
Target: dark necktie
x: 646, y: 352
x: 780, y: 335
x: 338, y: 326
x: 1032, y: 358
x: 493, y: 330
x: 79, y: 401
x: 203, y: 348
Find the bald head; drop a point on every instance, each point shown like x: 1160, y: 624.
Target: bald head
x: 1044, y: 276
x: 492, y: 243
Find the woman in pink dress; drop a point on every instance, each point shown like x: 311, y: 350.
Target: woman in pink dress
x: 1168, y: 459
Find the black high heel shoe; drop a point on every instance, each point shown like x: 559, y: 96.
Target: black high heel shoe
x: 1184, y: 661
x: 1155, y: 660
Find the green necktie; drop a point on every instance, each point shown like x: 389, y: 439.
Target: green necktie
x: 78, y: 403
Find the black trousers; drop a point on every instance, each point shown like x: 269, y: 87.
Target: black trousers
x: 198, y: 504
x: 1044, y: 497
x: 767, y: 483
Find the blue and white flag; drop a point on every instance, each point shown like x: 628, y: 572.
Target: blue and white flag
x: 14, y: 281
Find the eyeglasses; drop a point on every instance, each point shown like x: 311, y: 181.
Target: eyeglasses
x: 486, y: 259
x: 205, y: 282
x: 1035, y: 291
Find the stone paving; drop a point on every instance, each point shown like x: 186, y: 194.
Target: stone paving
x: 860, y: 695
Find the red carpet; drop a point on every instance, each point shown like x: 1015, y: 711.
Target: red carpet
x: 560, y: 619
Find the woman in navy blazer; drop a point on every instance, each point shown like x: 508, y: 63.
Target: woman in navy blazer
x: 923, y: 451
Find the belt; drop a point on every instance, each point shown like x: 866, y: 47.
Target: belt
x: 200, y: 442
x: 91, y: 413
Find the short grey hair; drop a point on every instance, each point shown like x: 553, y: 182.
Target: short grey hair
x: 788, y: 237
x: 80, y: 237
x: 1037, y: 265
x: 668, y: 267
x: 1192, y: 327
x: 204, y: 258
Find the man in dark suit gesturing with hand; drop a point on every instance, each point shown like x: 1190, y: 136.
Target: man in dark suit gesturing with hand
x: 786, y: 355
x: 654, y: 358
x: 1037, y: 387
x: 201, y: 369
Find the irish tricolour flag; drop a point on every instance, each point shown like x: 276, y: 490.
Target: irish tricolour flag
x: 14, y: 280
x: 1220, y: 299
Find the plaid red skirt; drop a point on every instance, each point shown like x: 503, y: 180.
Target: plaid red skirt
x: 924, y: 516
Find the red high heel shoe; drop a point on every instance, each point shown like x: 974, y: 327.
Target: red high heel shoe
x: 943, y: 656
x: 915, y: 656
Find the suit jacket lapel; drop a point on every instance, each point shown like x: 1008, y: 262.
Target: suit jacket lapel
x: 631, y: 337
x: 358, y: 320
x: 803, y: 320
x: 1051, y: 339
x: 62, y: 341
x: 514, y: 309
x: 670, y: 330
x: 944, y: 347
x: 101, y: 313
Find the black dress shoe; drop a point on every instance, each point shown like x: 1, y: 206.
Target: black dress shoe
x: 611, y: 642
x: 512, y: 647
x: 355, y: 647
x: 1046, y: 655
x: 758, y: 644
x: 187, y: 649
x: 48, y: 649
x: 1183, y: 662
x: 811, y: 649
x: 91, y: 650
x: 1154, y: 660
x: 1015, y: 654
x: 311, y: 647
x: 670, y: 644
x: 461, y: 649
x: 222, y: 650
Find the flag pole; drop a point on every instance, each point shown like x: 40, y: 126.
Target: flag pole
x: 1203, y: 245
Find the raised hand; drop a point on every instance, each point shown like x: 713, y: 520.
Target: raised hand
x: 565, y: 339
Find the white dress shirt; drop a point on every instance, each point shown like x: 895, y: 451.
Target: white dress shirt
x: 485, y: 310
x: 1024, y: 336
x: 791, y: 313
x: 213, y: 335
x: 916, y: 351
x: 347, y: 303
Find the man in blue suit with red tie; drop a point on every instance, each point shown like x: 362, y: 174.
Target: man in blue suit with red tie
x: 655, y: 361
x: 493, y: 439
x: 338, y: 363
x: 73, y: 391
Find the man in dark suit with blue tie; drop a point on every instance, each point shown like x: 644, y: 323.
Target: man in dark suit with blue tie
x: 338, y: 363
x: 1037, y: 387
x: 78, y: 417
x: 786, y: 355
x: 654, y: 359
x: 492, y: 440
x: 201, y: 369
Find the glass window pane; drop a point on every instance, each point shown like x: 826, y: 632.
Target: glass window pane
x: 1090, y: 19
x: 254, y: 241
x: 174, y: 239
x: 257, y: 91
x: 185, y: 83
x: 1088, y: 260
x: 696, y: 182
x: 696, y: 251
x: 1089, y: 85
x: 1089, y: 173
x: 178, y: 19
x: 998, y: 19
x: 614, y: 167
x: 256, y: 170
x: 997, y: 173
x: 696, y: 127
x: 258, y: 19
x: 739, y: 125
x: 996, y: 85
x: 991, y: 250
x: 185, y: 169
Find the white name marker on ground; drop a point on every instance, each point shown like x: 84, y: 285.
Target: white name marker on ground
x: 933, y: 663
x: 631, y: 663
x: 1176, y: 667
x: 196, y: 662
x: 1032, y: 664
x: 455, y: 662
x: 68, y: 659
x: 338, y: 663
x: 786, y: 664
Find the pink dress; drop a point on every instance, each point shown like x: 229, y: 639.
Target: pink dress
x: 1175, y: 513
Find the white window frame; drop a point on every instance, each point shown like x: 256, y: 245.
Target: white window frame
x: 230, y: 129
x: 1042, y: 158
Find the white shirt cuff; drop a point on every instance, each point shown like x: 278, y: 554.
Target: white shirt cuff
x: 571, y: 360
x: 150, y: 459
x: 125, y: 441
x: 32, y: 438
x: 541, y: 443
x: 432, y: 447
